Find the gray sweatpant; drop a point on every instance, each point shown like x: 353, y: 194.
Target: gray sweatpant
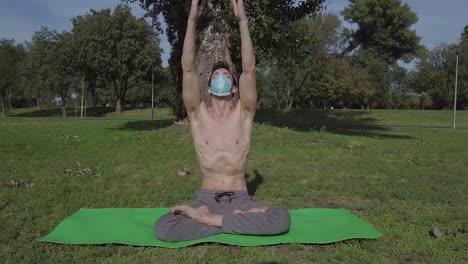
x: 273, y: 221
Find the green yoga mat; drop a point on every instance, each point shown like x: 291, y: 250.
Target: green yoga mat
x: 135, y: 227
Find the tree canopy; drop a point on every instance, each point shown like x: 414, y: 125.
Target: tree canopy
x: 383, y: 27
x: 116, y: 46
x: 11, y: 56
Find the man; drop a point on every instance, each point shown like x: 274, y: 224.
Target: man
x: 222, y: 135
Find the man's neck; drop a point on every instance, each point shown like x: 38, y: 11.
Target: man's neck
x: 221, y: 108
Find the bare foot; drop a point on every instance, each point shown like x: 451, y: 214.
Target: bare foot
x: 199, y: 214
x: 253, y: 210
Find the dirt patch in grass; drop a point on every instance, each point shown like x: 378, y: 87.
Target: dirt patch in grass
x: 415, y: 257
x: 83, y: 170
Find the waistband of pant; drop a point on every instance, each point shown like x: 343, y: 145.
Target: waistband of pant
x: 207, y: 191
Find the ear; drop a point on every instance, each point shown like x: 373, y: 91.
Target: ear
x: 210, y: 91
x: 235, y: 89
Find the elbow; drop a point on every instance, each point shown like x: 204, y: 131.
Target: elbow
x: 187, y: 66
x: 249, y: 66
x: 187, y: 69
x: 249, y: 69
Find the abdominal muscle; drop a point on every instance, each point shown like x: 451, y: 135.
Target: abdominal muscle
x: 223, y: 170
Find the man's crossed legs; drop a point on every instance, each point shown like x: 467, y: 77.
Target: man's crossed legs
x: 214, y: 212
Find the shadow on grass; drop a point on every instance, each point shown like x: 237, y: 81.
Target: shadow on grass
x: 147, y: 125
x: 351, y: 123
x: 71, y: 112
x: 254, y: 183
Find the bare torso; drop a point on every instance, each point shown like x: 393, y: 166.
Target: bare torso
x: 222, y: 147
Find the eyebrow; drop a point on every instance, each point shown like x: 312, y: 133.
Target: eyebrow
x: 225, y: 72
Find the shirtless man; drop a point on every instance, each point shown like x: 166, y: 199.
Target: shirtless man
x: 221, y: 135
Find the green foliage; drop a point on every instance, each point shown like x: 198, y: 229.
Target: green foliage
x: 91, y: 37
x: 463, y: 69
x: 309, y: 73
x: 118, y: 47
x: 351, y: 85
x: 12, y: 57
x: 435, y: 76
x: 384, y: 27
x: 297, y: 77
x: 269, y: 21
x: 51, y: 62
x: 9, y: 59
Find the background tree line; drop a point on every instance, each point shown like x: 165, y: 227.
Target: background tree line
x: 306, y: 57
x: 106, y: 59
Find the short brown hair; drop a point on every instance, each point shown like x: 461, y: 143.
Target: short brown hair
x: 221, y: 65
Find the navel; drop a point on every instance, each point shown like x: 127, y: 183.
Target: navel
x: 206, y: 142
x: 237, y: 142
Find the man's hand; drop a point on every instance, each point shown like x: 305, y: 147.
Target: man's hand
x: 196, y: 9
x: 239, y: 9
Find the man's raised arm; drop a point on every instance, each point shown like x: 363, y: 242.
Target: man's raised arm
x: 247, y: 82
x: 190, y: 82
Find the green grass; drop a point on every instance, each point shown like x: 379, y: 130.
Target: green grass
x: 402, y: 171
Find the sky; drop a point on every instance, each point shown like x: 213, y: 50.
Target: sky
x: 439, y: 21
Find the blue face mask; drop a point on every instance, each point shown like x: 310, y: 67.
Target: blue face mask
x: 221, y: 85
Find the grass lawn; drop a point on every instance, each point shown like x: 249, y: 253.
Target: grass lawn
x: 404, y: 172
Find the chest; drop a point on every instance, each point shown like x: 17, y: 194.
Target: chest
x: 226, y: 132
x: 233, y: 132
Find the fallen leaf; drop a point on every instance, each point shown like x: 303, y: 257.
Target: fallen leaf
x: 181, y: 173
x: 21, y: 184
x: 188, y: 168
x: 437, y: 233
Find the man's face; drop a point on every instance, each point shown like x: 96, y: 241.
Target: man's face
x: 227, y: 74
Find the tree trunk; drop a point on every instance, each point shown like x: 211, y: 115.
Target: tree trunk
x: 290, y: 101
x: 118, y: 106
x: 120, y: 89
x: 92, y: 89
x: 9, y: 101
x: 421, y: 102
x: 64, y: 110
x: 3, y: 108
x: 38, y: 100
x: 82, y: 96
x: 213, y: 42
